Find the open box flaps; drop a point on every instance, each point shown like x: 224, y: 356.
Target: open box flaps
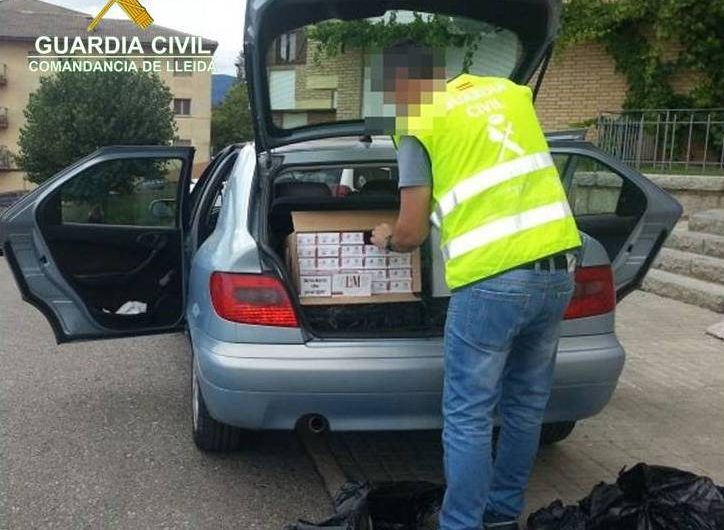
x: 331, y: 260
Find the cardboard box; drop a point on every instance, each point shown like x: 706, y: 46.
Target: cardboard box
x: 353, y: 279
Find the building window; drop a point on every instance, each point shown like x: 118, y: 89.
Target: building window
x: 182, y: 107
x: 181, y: 141
x: 291, y: 48
x: 178, y: 69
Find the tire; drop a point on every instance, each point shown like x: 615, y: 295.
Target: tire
x: 556, y: 432
x: 210, y: 435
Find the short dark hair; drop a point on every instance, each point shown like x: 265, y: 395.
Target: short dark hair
x: 419, y: 60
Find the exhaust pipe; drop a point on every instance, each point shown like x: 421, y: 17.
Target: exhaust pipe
x: 315, y: 423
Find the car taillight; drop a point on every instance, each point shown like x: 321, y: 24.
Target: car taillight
x: 594, y: 293
x: 252, y: 299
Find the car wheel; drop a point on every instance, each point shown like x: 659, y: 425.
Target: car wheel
x: 556, y: 432
x: 210, y: 435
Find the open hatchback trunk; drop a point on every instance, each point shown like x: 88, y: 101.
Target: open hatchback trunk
x: 310, y: 64
x: 311, y: 71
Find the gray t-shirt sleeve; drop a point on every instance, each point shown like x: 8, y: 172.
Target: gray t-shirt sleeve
x: 413, y: 163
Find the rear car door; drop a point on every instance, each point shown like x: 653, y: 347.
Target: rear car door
x: 623, y: 210
x: 99, y: 247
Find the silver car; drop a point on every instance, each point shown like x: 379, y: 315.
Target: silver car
x: 102, y: 254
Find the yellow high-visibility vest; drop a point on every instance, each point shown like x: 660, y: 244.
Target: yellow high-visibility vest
x: 497, y: 196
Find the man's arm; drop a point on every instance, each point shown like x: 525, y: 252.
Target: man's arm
x: 413, y: 223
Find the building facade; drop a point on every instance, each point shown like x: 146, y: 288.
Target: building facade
x: 22, y: 21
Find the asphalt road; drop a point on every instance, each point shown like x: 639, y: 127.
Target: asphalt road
x: 97, y: 435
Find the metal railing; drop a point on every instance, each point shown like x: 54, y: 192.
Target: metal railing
x: 665, y: 140
x: 3, y: 117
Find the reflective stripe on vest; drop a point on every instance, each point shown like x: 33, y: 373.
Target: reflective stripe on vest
x: 487, y: 179
x: 507, y: 226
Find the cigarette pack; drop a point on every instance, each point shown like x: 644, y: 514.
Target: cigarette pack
x: 307, y: 252
x: 307, y: 264
x: 375, y: 262
x: 352, y: 250
x: 380, y: 287
x: 400, y: 261
x: 352, y: 284
x: 328, y: 251
x: 353, y: 238
x: 352, y: 263
x: 315, y: 286
x: 400, y: 274
x: 328, y: 264
x: 400, y: 286
x: 327, y: 238
x: 306, y: 239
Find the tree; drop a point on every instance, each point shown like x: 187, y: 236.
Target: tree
x: 231, y: 120
x: 240, y: 64
x: 74, y: 113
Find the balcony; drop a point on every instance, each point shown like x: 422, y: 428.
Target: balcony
x: 3, y: 74
x: 7, y: 160
x: 3, y: 117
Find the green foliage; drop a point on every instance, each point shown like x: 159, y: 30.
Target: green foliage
x: 231, y: 120
x: 72, y: 114
x: 633, y: 32
x: 435, y: 31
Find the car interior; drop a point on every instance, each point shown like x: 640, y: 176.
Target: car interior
x: 114, y: 235
x: 606, y: 206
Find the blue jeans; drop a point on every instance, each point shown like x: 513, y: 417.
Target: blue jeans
x: 501, y: 339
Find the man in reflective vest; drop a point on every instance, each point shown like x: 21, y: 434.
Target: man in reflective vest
x: 473, y: 158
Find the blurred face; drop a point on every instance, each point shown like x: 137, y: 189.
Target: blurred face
x: 404, y: 85
x: 409, y: 91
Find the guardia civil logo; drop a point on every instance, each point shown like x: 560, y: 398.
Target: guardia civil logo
x: 133, y: 8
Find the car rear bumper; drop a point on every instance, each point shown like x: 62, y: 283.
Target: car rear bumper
x: 390, y: 385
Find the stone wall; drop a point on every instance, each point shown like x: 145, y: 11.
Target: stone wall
x: 694, y: 193
x: 600, y: 191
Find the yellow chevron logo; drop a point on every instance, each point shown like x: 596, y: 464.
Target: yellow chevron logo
x: 133, y: 8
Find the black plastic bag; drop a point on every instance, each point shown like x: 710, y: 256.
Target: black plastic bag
x: 386, y: 506
x: 643, y: 498
x: 351, y: 511
x: 405, y: 505
x: 558, y: 517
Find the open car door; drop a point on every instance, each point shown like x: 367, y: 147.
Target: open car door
x: 619, y: 207
x: 98, y: 247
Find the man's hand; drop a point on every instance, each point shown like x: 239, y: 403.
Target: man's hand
x: 380, y: 235
x: 413, y: 223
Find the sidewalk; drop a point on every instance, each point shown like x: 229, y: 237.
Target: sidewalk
x: 668, y: 409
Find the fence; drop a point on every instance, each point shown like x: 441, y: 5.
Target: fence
x: 667, y: 141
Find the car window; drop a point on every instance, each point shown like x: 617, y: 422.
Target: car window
x: 336, y: 181
x: 126, y: 192
x: 326, y: 72
x: 595, y: 188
